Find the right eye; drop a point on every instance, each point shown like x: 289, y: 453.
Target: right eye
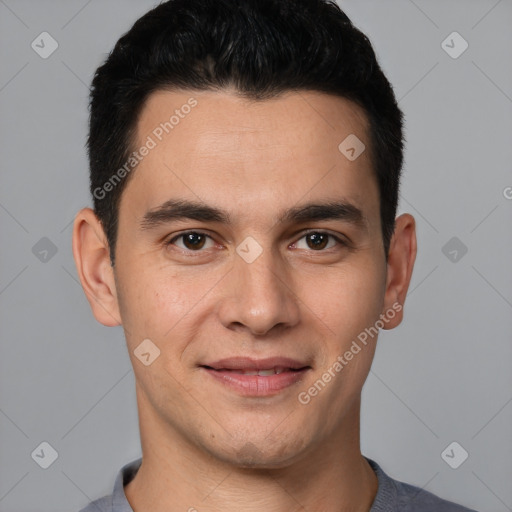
x: 192, y: 241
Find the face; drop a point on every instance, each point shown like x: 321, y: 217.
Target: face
x: 250, y: 254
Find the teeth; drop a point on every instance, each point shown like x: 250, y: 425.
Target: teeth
x: 264, y: 373
x: 267, y: 372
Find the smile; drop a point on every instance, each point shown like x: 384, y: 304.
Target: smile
x: 257, y: 378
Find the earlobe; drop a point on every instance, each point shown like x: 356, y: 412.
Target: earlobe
x: 92, y: 258
x: 401, y: 258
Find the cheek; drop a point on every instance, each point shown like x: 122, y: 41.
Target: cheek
x: 348, y: 300
x: 159, y: 305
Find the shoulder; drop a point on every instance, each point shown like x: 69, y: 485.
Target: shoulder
x: 116, y: 502
x: 100, y: 505
x: 413, y: 499
x: 395, y: 496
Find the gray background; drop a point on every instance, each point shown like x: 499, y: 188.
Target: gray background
x: 444, y: 375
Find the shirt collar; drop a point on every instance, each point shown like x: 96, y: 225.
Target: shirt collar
x: 125, y: 475
x: 384, y: 501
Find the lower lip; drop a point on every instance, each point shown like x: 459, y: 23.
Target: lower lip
x: 257, y: 385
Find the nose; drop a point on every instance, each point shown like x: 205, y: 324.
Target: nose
x: 259, y: 296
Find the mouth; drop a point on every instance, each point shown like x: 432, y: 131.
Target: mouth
x: 264, y: 372
x: 252, y: 377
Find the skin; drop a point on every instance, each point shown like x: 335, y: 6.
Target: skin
x: 206, y: 447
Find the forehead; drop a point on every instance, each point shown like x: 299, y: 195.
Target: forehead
x: 291, y: 118
x: 217, y: 147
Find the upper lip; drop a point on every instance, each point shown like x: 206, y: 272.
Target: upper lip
x: 247, y: 363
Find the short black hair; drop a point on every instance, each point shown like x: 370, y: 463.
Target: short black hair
x: 261, y: 48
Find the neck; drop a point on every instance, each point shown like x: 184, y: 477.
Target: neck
x: 175, y: 474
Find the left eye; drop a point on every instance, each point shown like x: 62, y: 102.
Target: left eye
x: 195, y: 241
x: 318, y: 240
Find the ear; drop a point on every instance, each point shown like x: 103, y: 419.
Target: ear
x: 401, y: 257
x: 92, y: 258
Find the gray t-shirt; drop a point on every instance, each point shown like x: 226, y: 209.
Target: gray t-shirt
x: 392, y: 495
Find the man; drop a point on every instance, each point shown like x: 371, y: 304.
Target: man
x: 245, y: 159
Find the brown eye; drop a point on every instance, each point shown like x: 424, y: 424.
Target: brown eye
x: 319, y: 240
x: 192, y: 241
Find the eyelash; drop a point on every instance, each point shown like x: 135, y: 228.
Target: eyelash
x: 316, y: 232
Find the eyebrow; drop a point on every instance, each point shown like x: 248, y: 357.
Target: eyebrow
x: 179, y: 209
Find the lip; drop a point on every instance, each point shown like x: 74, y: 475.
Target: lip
x: 225, y: 371
x: 248, y: 363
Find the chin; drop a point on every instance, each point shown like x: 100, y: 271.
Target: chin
x: 260, y: 453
